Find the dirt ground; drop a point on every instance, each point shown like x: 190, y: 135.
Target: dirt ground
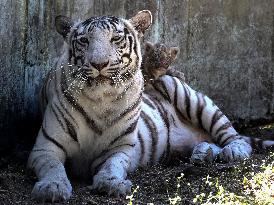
x: 156, y: 184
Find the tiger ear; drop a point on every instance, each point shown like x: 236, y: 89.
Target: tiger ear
x: 149, y: 47
x: 174, y: 51
x: 142, y: 21
x: 63, y: 25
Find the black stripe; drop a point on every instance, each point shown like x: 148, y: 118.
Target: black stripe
x: 147, y: 102
x: 70, y: 128
x: 33, y: 163
x: 164, y: 95
x: 164, y: 116
x: 128, y: 110
x: 128, y: 131
x: 109, y: 149
x: 153, y: 133
x: 223, y: 127
x: 223, y: 143
x: 219, y: 137
x: 217, y: 115
x: 90, y: 122
x: 130, y: 44
x: 142, y: 145
x: 57, y: 117
x: 61, y: 104
x: 45, y: 134
x: 187, y: 101
x: 41, y: 150
x: 98, y: 166
x: 178, y: 111
x: 200, y: 109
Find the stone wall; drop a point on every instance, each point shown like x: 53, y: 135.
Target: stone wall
x: 227, y: 51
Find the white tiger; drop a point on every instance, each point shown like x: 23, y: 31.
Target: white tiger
x: 99, y: 122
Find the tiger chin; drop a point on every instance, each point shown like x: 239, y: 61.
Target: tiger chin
x: 100, y: 122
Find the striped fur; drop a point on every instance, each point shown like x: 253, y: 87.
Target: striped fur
x: 100, y: 122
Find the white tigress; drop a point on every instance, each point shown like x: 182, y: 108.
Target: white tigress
x: 99, y: 122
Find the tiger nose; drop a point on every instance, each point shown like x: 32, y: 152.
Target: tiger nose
x: 99, y: 66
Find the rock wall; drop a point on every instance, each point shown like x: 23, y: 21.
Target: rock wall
x: 227, y: 51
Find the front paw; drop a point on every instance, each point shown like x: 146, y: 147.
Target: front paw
x: 204, y: 153
x: 112, y: 185
x: 53, y: 190
x: 237, y: 150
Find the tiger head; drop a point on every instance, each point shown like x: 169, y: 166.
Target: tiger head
x: 157, y: 58
x: 106, y: 48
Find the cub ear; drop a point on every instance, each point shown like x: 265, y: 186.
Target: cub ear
x: 174, y: 51
x: 149, y: 47
x: 63, y: 25
x: 142, y: 20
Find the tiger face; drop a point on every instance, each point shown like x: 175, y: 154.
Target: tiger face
x: 157, y: 59
x: 104, y: 49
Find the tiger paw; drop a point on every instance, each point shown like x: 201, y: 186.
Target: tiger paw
x: 204, y: 152
x: 237, y: 150
x: 53, y: 191
x: 111, y: 185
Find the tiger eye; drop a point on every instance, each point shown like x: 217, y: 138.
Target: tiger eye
x: 84, y: 40
x: 116, y: 38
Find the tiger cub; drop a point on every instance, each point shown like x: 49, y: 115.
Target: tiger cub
x: 156, y: 62
x: 100, y: 123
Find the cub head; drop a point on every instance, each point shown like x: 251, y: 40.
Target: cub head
x: 106, y: 48
x: 157, y: 58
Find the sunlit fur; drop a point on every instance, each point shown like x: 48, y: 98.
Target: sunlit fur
x: 98, y: 120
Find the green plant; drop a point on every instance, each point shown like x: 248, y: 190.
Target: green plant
x: 131, y: 197
x: 176, y: 199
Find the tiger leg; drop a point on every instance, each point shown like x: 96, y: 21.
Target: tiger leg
x: 47, y: 159
x: 202, y: 112
x: 111, y: 177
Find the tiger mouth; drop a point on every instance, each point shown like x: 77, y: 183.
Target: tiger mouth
x: 99, y: 78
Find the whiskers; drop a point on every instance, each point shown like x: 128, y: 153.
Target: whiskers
x: 74, y: 82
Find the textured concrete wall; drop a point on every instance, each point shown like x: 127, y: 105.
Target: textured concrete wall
x: 227, y: 51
